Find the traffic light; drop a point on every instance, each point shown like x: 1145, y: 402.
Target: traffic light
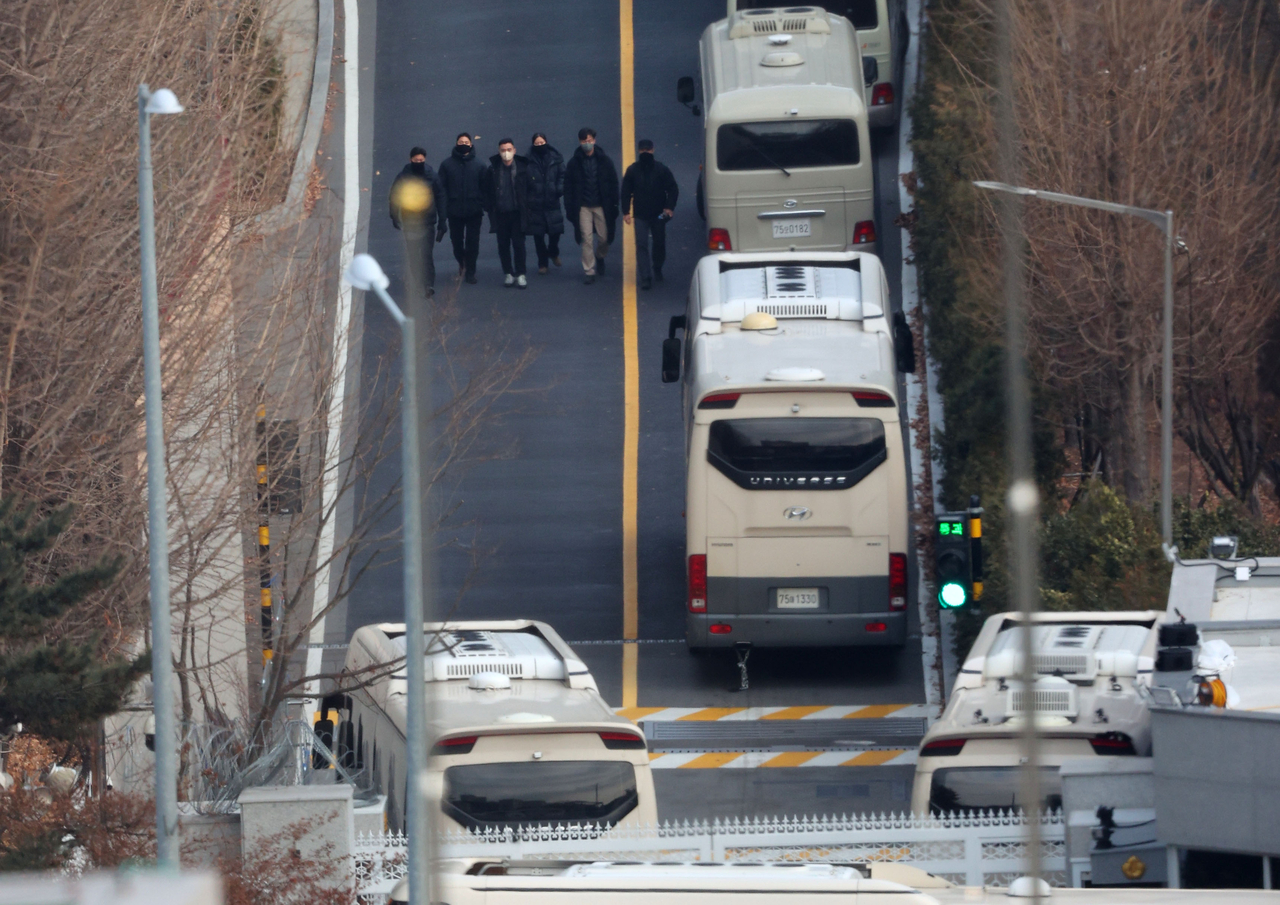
x: 958, y: 556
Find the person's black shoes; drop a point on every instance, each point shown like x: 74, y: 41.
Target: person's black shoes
x: 471, y: 278
x: 589, y: 279
x: 646, y: 284
x: 600, y: 266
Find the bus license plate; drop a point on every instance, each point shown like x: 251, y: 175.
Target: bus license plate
x: 792, y: 229
x: 798, y: 598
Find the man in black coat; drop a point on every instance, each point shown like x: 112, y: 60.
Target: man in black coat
x: 506, y: 193
x: 591, y: 202
x: 419, y: 206
x: 461, y: 175
x: 546, y: 187
x: 654, y: 191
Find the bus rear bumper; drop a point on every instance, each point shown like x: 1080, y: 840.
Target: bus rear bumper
x: 793, y: 630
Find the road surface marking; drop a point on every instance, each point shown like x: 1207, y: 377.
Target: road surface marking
x: 792, y: 713
x: 791, y: 759
x: 751, y: 760
x: 873, y: 758
x: 849, y: 711
x: 631, y: 376
x: 712, y: 759
x: 711, y: 713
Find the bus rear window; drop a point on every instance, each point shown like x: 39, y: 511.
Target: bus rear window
x: 968, y: 789
x: 862, y: 13
x: 539, y: 792
x: 787, y: 145
x: 784, y: 453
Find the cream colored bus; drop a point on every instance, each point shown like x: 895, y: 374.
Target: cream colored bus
x: 786, y: 151
x: 882, y: 36
x: 519, y: 732
x: 1087, y: 702
x: 796, y: 493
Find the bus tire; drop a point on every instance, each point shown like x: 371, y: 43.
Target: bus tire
x: 696, y: 651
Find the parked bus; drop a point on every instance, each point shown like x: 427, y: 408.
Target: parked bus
x: 520, y: 735
x: 786, y: 152
x: 797, y: 497
x: 882, y: 36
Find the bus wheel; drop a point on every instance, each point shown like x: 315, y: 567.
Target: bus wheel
x: 696, y: 651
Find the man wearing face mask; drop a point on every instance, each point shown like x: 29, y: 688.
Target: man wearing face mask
x: 418, y: 207
x: 461, y: 175
x: 506, y: 193
x: 591, y: 202
x: 654, y: 190
x: 546, y: 186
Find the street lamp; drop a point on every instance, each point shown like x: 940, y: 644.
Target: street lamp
x: 366, y: 274
x: 1163, y: 220
x: 160, y: 102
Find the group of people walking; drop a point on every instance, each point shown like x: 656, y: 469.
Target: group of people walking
x: 523, y: 196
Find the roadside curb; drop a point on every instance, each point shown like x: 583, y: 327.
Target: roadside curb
x: 289, y: 211
x: 920, y: 393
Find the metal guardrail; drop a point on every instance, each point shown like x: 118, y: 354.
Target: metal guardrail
x: 986, y: 849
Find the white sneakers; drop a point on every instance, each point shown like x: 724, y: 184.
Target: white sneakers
x: 522, y: 282
x: 508, y: 280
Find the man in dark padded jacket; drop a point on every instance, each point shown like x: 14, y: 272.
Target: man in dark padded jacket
x: 654, y: 191
x: 591, y: 202
x: 460, y: 175
x: 419, y: 206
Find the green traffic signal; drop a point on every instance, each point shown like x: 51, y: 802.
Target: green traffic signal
x: 952, y: 595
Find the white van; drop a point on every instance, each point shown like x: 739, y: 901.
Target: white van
x: 1087, y: 700
x: 786, y: 151
x: 519, y: 733
x: 882, y: 36
x: 496, y: 882
x: 797, y: 498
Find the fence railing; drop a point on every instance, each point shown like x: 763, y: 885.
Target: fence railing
x: 985, y: 849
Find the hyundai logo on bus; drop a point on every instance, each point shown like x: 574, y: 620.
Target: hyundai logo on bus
x: 813, y: 482
x: 799, y: 513
x: 789, y: 203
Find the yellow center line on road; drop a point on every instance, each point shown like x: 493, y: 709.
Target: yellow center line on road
x: 631, y: 377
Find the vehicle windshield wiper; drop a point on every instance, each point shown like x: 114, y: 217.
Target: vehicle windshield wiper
x: 761, y: 152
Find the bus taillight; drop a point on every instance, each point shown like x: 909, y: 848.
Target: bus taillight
x: 897, y: 581
x: 698, y: 583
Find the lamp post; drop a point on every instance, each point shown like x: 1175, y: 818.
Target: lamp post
x: 1163, y: 220
x: 365, y: 273
x: 162, y: 102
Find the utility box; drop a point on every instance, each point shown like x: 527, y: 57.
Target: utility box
x: 315, y: 823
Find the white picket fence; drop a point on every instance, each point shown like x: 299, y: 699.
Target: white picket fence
x: 970, y: 849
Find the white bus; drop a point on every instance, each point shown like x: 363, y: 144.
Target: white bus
x: 882, y: 36
x: 786, y: 151
x: 1090, y: 667
x: 520, y: 735
x: 797, y: 497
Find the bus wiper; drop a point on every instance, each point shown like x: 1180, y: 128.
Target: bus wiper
x: 760, y: 151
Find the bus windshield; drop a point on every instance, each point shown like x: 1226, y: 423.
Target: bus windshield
x: 540, y: 792
x: 788, y: 145
x: 837, y: 452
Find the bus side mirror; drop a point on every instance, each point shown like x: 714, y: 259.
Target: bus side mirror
x: 670, y: 360
x: 685, y: 93
x: 904, y: 344
x: 870, y: 70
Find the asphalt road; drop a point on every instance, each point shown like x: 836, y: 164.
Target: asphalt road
x: 534, y: 525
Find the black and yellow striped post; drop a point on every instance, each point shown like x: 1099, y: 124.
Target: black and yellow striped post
x: 264, y: 539
x: 975, y: 544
